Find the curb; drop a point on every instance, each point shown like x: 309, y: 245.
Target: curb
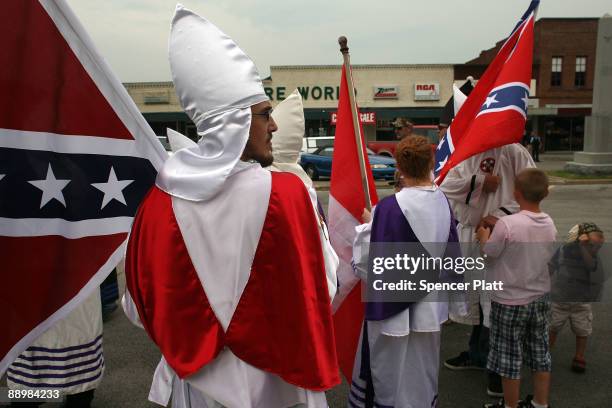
x: 577, y: 182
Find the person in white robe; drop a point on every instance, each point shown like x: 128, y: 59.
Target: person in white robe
x: 401, y: 364
x: 67, y: 357
x: 205, y: 181
x: 286, y: 145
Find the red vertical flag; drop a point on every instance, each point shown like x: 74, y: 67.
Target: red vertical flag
x: 346, y: 204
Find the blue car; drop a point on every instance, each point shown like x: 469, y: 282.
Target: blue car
x: 319, y: 164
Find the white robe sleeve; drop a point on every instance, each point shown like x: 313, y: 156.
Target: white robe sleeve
x: 129, y: 308
x: 463, y: 186
x: 329, y: 255
x: 519, y: 159
x: 361, y: 250
x: 163, y: 381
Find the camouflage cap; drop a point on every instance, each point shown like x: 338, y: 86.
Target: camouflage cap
x: 401, y: 122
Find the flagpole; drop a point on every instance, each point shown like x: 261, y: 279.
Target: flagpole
x: 358, y: 137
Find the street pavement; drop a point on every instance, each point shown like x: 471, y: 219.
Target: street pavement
x: 131, y: 357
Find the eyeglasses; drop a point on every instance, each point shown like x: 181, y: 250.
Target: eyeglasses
x: 267, y: 114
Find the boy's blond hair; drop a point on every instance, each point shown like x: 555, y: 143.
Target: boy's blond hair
x: 533, y: 184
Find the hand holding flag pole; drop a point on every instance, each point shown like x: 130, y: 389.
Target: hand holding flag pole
x: 355, y: 116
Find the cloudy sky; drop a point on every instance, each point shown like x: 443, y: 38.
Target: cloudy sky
x: 132, y: 34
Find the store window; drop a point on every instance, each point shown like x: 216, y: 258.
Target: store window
x: 556, y: 71
x: 319, y: 128
x: 564, y: 133
x: 580, y: 78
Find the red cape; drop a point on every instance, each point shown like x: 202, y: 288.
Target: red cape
x: 282, y: 323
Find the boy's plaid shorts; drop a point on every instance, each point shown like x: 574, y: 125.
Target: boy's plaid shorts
x: 519, y: 333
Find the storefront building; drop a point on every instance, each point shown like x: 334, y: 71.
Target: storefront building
x: 158, y: 103
x: 384, y: 92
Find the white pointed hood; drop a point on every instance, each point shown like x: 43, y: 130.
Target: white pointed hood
x: 216, y: 83
x: 458, y: 98
x: 287, y: 140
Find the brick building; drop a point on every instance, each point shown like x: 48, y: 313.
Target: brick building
x: 562, y: 85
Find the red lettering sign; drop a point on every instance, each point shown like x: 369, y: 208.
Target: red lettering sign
x: 366, y: 118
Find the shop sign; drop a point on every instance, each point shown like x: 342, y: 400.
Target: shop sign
x: 427, y: 91
x: 366, y: 118
x: 386, y: 92
x: 316, y: 92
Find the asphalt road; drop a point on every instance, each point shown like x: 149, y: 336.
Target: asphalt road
x: 131, y: 357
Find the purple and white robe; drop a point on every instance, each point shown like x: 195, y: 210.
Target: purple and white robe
x: 397, y: 361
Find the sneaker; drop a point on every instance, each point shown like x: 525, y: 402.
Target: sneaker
x: 494, y: 385
x: 462, y: 362
x: 526, y: 403
x: 578, y: 365
x: 498, y: 404
x: 492, y: 391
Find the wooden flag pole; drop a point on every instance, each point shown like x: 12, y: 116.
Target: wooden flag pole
x: 358, y: 137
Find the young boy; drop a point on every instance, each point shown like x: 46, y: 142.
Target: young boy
x: 521, y: 246
x: 578, y: 279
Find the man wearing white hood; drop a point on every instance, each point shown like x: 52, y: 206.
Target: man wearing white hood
x: 227, y: 265
x: 286, y: 146
x: 287, y: 141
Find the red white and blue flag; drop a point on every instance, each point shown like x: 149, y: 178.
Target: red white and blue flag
x: 76, y: 159
x: 495, y: 113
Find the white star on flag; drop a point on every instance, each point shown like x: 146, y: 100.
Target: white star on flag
x: 491, y: 100
x: 441, y: 142
x: 113, y: 188
x: 526, y: 100
x: 442, y: 164
x: 51, y: 188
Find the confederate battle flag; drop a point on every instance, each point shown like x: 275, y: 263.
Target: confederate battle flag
x: 76, y: 159
x: 495, y: 113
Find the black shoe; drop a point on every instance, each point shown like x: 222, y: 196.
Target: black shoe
x: 526, y: 403
x: 494, y: 385
x: 462, y: 362
x: 498, y: 404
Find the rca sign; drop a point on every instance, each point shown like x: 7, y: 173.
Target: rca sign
x: 366, y: 118
x: 427, y: 91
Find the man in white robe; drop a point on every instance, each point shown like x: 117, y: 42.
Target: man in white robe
x: 233, y: 251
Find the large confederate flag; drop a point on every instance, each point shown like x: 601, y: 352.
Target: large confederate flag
x: 495, y: 113
x: 76, y: 159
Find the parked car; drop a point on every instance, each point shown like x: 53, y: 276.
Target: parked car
x: 319, y: 164
x: 387, y: 147
x: 310, y: 144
